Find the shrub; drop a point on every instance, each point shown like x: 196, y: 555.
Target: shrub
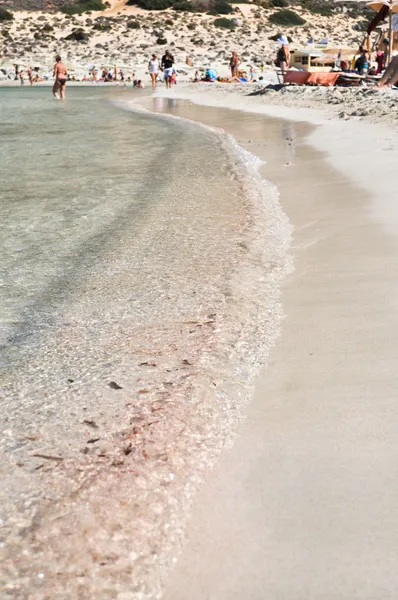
x: 133, y: 25
x: 78, y: 35
x: 161, y: 41
x: 320, y: 7
x: 169, y: 22
x: 325, y: 11
x: 279, y: 3
x: 191, y: 26
x: 220, y: 7
x: 102, y: 26
x: 82, y: 6
x: 184, y: 5
x: 5, y: 15
x: 287, y: 18
x: 224, y: 23
x: 151, y: 4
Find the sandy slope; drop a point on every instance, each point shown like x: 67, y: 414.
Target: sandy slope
x: 187, y: 34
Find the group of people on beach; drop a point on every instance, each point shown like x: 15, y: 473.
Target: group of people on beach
x: 360, y: 64
x: 166, y: 65
x: 32, y: 74
x: 363, y: 62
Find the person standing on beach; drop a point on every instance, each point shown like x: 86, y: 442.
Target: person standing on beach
x: 390, y: 75
x: 234, y: 64
x: 362, y: 63
x: 30, y: 75
x: 154, y: 70
x: 60, y: 74
x: 283, y: 55
x: 21, y: 77
x: 167, y: 66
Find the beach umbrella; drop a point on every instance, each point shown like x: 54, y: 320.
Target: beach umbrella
x: 391, y: 6
x: 378, y: 5
x: 344, y: 51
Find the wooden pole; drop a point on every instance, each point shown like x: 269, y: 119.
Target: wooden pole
x: 390, y: 40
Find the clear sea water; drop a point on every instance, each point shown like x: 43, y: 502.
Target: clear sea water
x: 141, y: 260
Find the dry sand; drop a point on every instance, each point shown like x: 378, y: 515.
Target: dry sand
x: 303, y: 506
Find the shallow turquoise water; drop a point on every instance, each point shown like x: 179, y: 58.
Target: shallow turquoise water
x: 137, y: 250
x: 76, y: 177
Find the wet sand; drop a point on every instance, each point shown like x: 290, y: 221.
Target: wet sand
x: 303, y: 505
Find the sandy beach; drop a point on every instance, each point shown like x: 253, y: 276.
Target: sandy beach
x: 303, y: 505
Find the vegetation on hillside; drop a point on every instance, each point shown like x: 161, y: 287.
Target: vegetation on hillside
x: 83, y: 6
x: 224, y: 23
x: 220, y: 7
x: 287, y: 18
x: 213, y: 7
x: 78, y: 35
x: 5, y: 15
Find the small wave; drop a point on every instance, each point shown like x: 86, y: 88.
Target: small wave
x: 253, y: 314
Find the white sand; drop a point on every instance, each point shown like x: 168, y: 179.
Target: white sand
x: 303, y: 507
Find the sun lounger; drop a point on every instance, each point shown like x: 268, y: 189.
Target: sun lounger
x: 279, y: 75
x: 308, y: 78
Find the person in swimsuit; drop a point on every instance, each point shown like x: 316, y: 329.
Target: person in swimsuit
x: 234, y: 63
x: 283, y: 55
x: 61, y: 75
x: 390, y: 76
x: 154, y: 70
x: 362, y: 63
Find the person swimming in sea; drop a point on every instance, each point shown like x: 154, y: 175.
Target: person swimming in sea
x: 61, y: 76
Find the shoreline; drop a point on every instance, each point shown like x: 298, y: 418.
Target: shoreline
x: 204, y: 401
x: 348, y: 142
x: 310, y: 473
x: 302, y: 160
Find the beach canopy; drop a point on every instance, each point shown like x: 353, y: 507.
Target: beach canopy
x: 377, y: 5
x: 384, y: 8
x: 345, y: 51
x: 332, y: 58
